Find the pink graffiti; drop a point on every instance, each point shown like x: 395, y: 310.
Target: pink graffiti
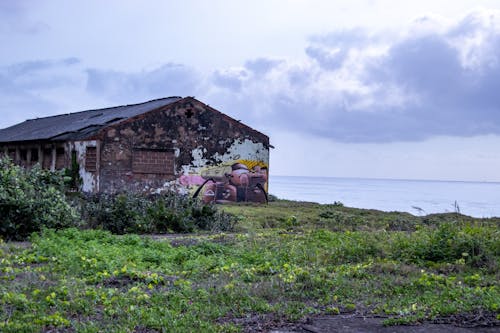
x: 187, y: 180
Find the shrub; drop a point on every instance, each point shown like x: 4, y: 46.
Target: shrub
x: 120, y: 214
x: 136, y: 213
x: 31, y: 200
x: 449, y: 242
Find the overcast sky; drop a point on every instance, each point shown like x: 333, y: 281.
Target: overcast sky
x: 383, y: 89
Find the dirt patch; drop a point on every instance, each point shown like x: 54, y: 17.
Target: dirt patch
x: 359, y: 324
x: 176, y: 240
x: 10, y: 245
x: 191, y: 240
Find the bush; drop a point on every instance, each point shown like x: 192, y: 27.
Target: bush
x: 135, y: 213
x: 120, y: 214
x: 450, y: 242
x: 31, y: 200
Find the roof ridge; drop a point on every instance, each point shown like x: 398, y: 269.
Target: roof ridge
x: 104, y: 109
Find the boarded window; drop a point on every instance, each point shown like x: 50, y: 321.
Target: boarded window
x: 153, y: 161
x: 91, y: 159
x: 60, y: 158
x: 23, y: 153
x: 34, y: 155
x: 47, y: 158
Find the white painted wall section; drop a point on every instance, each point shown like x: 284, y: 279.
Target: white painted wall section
x: 90, y: 180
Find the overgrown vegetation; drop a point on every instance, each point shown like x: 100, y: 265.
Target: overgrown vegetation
x: 283, y: 262
x: 34, y: 199
x: 31, y: 200
x: 93, y: 281
x: 165, y: 213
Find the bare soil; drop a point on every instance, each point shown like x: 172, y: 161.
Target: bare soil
x: 359, y: 324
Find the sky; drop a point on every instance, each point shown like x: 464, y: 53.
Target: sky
x: 359, y: 88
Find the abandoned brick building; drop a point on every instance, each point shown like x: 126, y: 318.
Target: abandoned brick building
x: 169, y: 143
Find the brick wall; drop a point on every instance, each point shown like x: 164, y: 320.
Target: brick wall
x: 153, y: 161
x: 91, y: 159
x: 61, y: 159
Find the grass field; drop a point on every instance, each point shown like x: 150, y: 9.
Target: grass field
x: 285, y: 261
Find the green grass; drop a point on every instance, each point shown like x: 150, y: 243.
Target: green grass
x: 287, y: 260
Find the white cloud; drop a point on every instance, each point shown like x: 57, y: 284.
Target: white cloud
x: 436, y: 78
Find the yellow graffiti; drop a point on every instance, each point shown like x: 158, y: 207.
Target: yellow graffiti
x: 250, y: 164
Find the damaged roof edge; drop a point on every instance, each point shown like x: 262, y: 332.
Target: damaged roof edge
x: 102, y: 109
x: 57, y: 125
x: 182, y: 100
x: 239, y: 123
x: 85, y: 125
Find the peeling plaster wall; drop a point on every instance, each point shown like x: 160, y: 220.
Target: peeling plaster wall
x: 90, y: 180
x: 244, y: 150
x: 194, y: 143
x: 234, y: 175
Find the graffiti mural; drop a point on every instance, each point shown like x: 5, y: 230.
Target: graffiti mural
x: 241, y: 174
x: 235, y: 181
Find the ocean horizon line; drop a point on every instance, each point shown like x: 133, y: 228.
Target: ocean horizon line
x: 473, y: 198
x: 393, y: 179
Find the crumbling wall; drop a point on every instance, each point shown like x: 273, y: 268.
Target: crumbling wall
x: 86, y: 154
x: 182, y: 146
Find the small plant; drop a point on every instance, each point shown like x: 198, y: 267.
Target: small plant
x: 72, y: 174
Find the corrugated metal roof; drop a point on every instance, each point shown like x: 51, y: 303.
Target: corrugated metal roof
x: 78, y: 125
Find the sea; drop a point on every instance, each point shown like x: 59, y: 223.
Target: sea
x: 418, y: 197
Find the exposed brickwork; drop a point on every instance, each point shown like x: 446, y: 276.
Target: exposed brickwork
x: 91, y: 159
x: 61, y: 159
x: 152, y: 162
x: 182, y: 127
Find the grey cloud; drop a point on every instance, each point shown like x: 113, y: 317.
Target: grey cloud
x: 39, y: 74
x: 232, y: 80
x: 25, y: 87
x: 471, y: 23
x: 18, y: 106
x: 28, y: 67
x: 14, y: 20
x: 418, y: 88
x: 44, y: 87
x: 18, y: 102
x: 426, y: 64
x: 331, y: 50
x: 326, y: 58
x: 261, y: 66
x: 299, y: 77
x: 453, y: 100
x: 167, y: 80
